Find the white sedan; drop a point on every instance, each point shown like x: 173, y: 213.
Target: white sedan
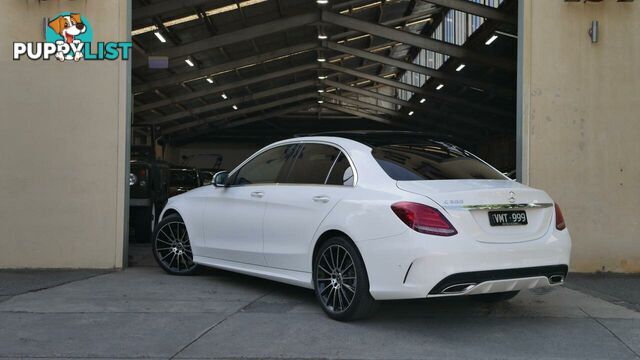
x: 367, y: 216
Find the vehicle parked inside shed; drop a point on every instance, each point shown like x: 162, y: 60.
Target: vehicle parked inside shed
x: 367, y: 216
x: 148, y: 194
x: 206, y: 176
x: 182, y: 180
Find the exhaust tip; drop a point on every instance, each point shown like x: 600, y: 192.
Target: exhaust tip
x: 556, y: 279
x: 458, y: 288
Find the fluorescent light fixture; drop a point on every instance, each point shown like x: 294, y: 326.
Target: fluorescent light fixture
x: 235, y: 107
x: 194, y: 17
x: 459, y: 68
x: 320, y: 101
x: 322, y: 2
x: 422, y: 100
x: 410, y: 112
x: 375, y: 3
x: 322, y: 77
x: 320, y: 90
x: 189, y: 62
x: 210, y: 80
x: 491, y: 40
x: 160, y: 37
x: 419, y: 21
x: 250, y: 2
x: 439, y: 87
x: 224, y: 96
x: 322, y: 36
x: 358, y: 37
x: 321, y: 59
x: 506, y: 34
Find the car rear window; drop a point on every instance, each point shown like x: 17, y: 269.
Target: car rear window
x: 431, y: 160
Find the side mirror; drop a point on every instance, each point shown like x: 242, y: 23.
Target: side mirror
x: 220, y: 179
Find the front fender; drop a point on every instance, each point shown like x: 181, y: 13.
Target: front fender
x: 191, y: 210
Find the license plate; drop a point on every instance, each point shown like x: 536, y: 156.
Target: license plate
x: 507, y: 218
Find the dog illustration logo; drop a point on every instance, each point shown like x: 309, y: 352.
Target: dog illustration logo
x: 72, y: 29
x: 69, y: 36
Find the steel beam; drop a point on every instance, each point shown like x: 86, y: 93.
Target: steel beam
x: 429, y: 94
x: 357, y: 113
x: 396, y: 114
x: 356, y: 102
x: 447, y: 77
x: 429, y: 112
x: 228, y: 66
x: 225, y: 87
x: 417, y: 40
x: 236, y: 113
x: 252, y: 119
x: 476, y: 9
x: 268, y: 115
x: 372, y: 94
x: 244, y: 34
x: 467, y: 135
x: 392, y: 22
x: 167, y: 6
x: 230, y: 102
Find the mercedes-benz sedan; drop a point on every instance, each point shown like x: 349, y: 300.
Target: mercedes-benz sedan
x: 367, y: 216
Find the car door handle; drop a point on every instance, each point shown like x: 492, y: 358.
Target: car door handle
x: 321, y: 198
x: 257, y: 194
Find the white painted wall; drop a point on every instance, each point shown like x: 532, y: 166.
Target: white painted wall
x: 582, y: 125
x: 62, y: 144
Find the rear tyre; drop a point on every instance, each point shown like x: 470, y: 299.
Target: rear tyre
x: 495, y: 297
x: 171, y: 247
x: 340, y: 281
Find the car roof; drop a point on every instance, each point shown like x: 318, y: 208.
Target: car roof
x: 373, y: 138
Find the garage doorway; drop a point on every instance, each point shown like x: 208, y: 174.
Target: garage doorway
x: 214, y: 81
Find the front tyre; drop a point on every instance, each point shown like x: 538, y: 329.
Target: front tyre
x: 171, y: 246
x: 340, y: 281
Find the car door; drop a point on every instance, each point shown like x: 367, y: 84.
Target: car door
x: 234, y: 215
x: 319, y: 177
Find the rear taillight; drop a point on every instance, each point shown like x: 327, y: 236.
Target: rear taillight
x: 560, y: 225
x: 423, y: 218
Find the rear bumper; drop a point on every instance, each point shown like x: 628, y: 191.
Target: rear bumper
x: 414, y: 265
x: 483, y: 282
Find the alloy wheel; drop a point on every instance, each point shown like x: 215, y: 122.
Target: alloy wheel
x: 173, y: 248
x: 336, y: 278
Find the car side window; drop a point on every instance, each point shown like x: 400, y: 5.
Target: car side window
x: 267, y: 168
x: 312, y: 164
x: 341, y: 173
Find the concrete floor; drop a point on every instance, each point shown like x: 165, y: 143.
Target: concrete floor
x: 142, y: 312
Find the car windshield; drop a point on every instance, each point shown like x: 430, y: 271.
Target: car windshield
x: 184, y: 178
x: 431, y: 160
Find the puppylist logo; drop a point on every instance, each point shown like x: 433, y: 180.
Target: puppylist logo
x: 69, y: 36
